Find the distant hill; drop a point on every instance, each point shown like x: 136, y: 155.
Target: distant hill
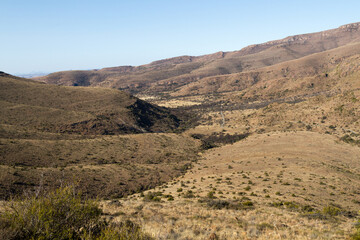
x: 78, y: 110
x: 318, y: 73
x: 172, y: 75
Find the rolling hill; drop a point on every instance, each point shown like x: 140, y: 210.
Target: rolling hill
x: 53, y: 134
x: 171, y: 75
x: 79, y: 110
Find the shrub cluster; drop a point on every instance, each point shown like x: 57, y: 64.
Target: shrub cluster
x: 217, y: 139
x: 227, y: 204
x: 153, y: 197
x: 356, y: 235
x: 61, y: 214
x: 348, y: 139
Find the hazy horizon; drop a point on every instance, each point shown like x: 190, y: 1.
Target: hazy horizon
x: 43, y: 36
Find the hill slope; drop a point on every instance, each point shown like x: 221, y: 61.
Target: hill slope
x: 309, y: 75
x: 79, y: 110
x: 171, y: 74
x: 54, y: 134
x: 281, y: 185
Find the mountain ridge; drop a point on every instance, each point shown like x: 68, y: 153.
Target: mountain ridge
x: 182, y: 70
x: 249, y: 50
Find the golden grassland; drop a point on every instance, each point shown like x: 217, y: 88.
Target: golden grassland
x: 281, y: 174
x: 296, y: 170
x: 188, y: 219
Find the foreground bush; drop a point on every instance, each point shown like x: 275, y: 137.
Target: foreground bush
x: 356, y: 235
x: 61, y: 215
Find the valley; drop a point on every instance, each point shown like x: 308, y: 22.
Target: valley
x: 260, y: 143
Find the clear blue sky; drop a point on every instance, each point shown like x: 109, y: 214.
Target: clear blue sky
x: 54, y: 35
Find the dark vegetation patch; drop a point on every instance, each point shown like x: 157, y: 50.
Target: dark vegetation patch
x: 348, y: 139
x: 227, y: 204
x: 156, y: 197
x: 153, y: 118
x: 218, y: 139
x: 140, y: 117
x: 329, y: 212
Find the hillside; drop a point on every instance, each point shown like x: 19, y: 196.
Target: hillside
x: 170, y: 75
x: 309, y: 75
x: 296, y: 176
x: 54, y: 134
x: 79, y: 110
x: 281, y: 185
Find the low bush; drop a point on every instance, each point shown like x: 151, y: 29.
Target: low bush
x: 346, y: 138
x: 61, y: 214
x: 288, y: 205
x: 356, y: 235
x: 153, y: 196
x: 327, y: 213
x: 331, y: 211
x: 228, y: 204
x: 189, y: 194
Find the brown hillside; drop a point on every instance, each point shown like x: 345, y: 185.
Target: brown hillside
x: 79, y: 110
x: 313, y: 74
x: 55, y: 134
x: 173, y: 73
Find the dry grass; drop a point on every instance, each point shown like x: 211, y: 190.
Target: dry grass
x: 280, y: 173
x: 108, y: 166
x: 56, y: 134
x: 184, y: 219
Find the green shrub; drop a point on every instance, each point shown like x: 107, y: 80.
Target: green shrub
x: 356, y: 235
x: 218, y: 204
x: 331, y: 211
x: 248, y: 204
x: 327, y: 213
x: 170, y: 198
x: 346, y: 138
x: 247, y: 188
x: 264, y: 226
x: 153, y: 196
x: 60, y: 214
x: 227, y: 204
x: 211, y: 195
x: 288, y: 205
x: 189, y: 194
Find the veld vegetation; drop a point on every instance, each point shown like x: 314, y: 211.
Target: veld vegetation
x: 62, y: 214
x: 294, y: 175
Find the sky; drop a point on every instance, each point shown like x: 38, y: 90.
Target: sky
x: 56, y: 35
